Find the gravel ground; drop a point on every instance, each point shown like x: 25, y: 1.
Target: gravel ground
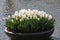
x: 50, y: 6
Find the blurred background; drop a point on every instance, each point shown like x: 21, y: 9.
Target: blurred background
x: 8, y: 7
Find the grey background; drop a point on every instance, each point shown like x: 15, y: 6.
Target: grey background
x: 50, y: 6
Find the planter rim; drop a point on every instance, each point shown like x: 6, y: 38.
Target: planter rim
x: 36, y: 33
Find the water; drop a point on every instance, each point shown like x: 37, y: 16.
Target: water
x: 50, y: 6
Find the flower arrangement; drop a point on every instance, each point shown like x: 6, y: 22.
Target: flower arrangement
x: 28, y: 21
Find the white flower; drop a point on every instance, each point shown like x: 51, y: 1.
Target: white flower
x: 39, y: 13
x: 46, y: 15
x: 30, y: 17
x: 16, y: 18
x: 12, y: 20
x: 43, y: 14
x: 9, y: 16
x: 50, y: 17
x: 34, y: 16
x: 23, y: 11
x: 27, y: 18
x: 13, y: 16
x: 35, y: 10
x: 20, y: 15
x: 24, y: 16
x: 16, y: 13
x: 21, y: 19
x: 29, y: 9
x: 38, y: 18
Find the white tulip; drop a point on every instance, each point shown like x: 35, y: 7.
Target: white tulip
x: 43, y: 14
x: 16, y: 18
x: 46, y: 15
x: 13, y: 16
x: 21, y: 12
x: 30, y: 17
x: 8, y: 16
x: 29, y: 9
x: 19, y: 15
x: 16, y: 13
x: 27, y: 18
x: 34, y: 16
x: 24, y: 16
x: 21, y: 19
x: 35, y: 10
x: 38, y: 18
x: 50, y: 17
x: 39, y: 13
x: 12, y: 20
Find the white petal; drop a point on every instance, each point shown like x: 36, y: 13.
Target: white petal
x: 27, y: 18
x: 30, y: 17
x: 8, y: 16
x: 50, y: 17
x: 12, y: 20
x: 38, y: 18
x: 46, y: 15
x: 16, y: 18
x: 29, y: 9
x: 13, y: 16
x: 23, y: 16
x: 21, y: 19
x: 16, y: 13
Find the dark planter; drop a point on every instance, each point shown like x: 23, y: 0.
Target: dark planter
x: 29, y: 36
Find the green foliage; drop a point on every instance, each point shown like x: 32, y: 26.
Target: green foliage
x: 31, y: 25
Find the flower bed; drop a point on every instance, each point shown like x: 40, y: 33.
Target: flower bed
x: 26, y: 21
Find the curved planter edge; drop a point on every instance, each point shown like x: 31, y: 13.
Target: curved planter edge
x: 38, y: 35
